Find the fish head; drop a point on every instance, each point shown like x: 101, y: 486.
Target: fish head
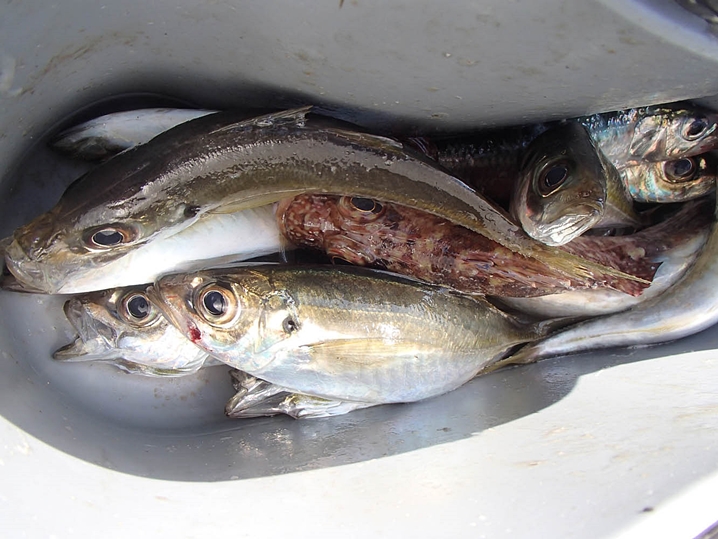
x: 665, y: 133
x: 341, y: 226
x: 562, y: 189
x: 115, y: 323
x: 237, y: 315
x: 676, y: 180
x: 60, y: 246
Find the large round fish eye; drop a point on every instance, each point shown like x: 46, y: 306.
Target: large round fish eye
x: 366, y: 205
x: 217, y: 305
x: 694, y: 128
x: 680, y: 170
x: 108, y: 236
x: 552, y: 177
x: 137, y: 309
x: 359, y: 208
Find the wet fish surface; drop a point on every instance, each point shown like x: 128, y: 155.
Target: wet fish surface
x: 689, y: 306
x: 678, y: 180
x: 216, y: 164
x: 674, y: 243
x: 339, y: 333
x: 124, y: 327
x: 110, y: 134
x: 410, y: 242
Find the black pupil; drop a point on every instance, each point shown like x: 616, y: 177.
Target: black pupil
x: 138, y: 307
x: 555, y: 176
x: 215, y: 303
x: 109, y: 236
x: 697, y: 127
x: 682, y: 168
x: 366, y: 204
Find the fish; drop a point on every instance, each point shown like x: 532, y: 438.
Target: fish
x: 687, y: 307
x: 110, y: 134
x: 218, y: 164
x: 674, y: 243
x: 341, y: 333
x: 259, y: 398
x: 562, y: 185
x: 213, y: 240
x: 626, y: 137
x: 654, y: 133
x: 403, y: 240
x: 123, y: 327
x: 677, y: 180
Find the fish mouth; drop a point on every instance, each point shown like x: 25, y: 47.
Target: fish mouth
x: 29, y: 274
x: 570, y: 226
x: 95, y: 339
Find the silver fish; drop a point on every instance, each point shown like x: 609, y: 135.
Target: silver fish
x: 687, y: 307
x: 213, y: 240
x: 656, y: 133
x: 123, y: 327
x: 561, y: 191
x: 110, y: 134
x: 216, y: 164
x: 672, y: 181
x: 341, y: 333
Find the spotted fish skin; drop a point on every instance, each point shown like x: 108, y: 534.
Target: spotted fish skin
x: 418, y: 244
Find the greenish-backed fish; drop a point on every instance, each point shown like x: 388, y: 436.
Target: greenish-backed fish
x: 340, y: 332
x: 222, y: 164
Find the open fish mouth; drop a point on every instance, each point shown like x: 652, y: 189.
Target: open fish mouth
x: 95, y: 340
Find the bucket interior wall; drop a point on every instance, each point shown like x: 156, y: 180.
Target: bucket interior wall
x: 396, y: 67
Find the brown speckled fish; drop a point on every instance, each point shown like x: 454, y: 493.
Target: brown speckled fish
x: 411, y: 242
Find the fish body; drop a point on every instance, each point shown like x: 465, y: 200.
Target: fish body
x: 411, y: 242
x: 217, y: 164
x: 656, y: 133
x: 110, y: 134
x: 674, y: 243
x: 340, y: 333
x: 687, y: 307
x: 123, y: 327
x: 677, y: 180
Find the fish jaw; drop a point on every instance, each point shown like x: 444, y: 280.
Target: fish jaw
x: 563, y: 229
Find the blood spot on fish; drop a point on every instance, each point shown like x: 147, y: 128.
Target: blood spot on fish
x: 195, y: 335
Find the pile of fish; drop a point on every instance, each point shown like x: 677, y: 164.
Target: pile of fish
x: 436, y: 259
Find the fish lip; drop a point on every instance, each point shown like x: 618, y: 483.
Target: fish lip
x: 28, y: 273
x: 570, y: 226
x: 91, y: 342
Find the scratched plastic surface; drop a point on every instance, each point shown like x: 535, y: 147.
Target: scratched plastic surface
x: 596, y: 445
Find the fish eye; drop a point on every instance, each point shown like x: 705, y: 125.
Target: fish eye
x: 680, y: 170
x: 108, y: 236
x: 695, y: 128
x: 366, y: 205
x: 217, y: 304
x: 289, y: 325
x: 137, y: 309
x: 552, y: 177
x: 359, y: 208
